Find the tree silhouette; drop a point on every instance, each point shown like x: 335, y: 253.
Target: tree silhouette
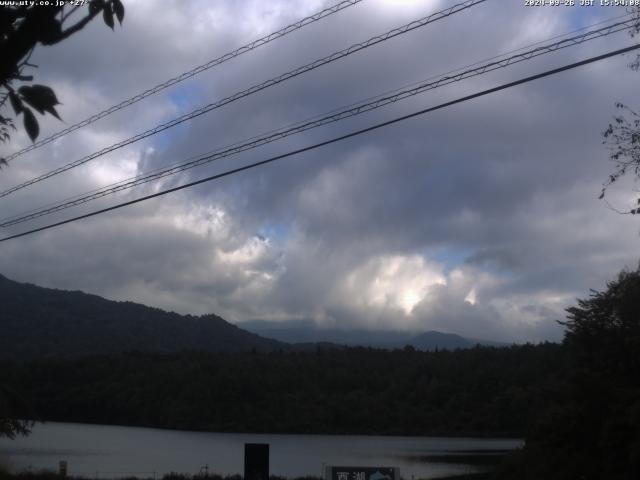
x: 591, y: 429
x: 10, y: 403
x: 611, y: 316
x: 22, y: 28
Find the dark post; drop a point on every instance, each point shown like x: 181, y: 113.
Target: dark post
x: 62, y: 468
x: 256, y: 461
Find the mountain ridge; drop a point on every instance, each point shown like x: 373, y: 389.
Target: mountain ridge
x: 307, y: 331
x: 39, y: 322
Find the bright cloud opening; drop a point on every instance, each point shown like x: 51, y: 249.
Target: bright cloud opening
x: 397, y: 282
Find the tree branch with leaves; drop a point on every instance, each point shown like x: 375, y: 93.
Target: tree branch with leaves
x: 622, y: 135
x: 22, y: 29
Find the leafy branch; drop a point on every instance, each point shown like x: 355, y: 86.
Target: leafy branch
x: 22, y: 28
x: 622, y: 136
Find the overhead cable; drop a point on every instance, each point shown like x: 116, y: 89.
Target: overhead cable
x: 328, y: 142
x: 254, y: 89
x: 317, y: 121
x: 191, y: 73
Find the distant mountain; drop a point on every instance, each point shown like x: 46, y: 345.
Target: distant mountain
x: 442, y: 341
x: 38, y: 322
x: 308, y: 332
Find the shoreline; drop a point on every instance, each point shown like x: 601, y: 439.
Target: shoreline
x: 457, y: 436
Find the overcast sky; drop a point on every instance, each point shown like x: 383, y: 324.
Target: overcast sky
x: 481, y: 219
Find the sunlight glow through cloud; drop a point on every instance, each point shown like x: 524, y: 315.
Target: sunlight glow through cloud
x: 396, y: 281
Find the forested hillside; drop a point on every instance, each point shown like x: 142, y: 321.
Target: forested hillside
x: 40, y: 322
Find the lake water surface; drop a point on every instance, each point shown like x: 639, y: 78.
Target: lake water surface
x: 111, y: 452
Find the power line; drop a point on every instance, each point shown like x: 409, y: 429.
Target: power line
x: 315, y: 122
x: 191, y: 73
x: 333, y: 140
x: 319, y: 121
x: 256, y: 88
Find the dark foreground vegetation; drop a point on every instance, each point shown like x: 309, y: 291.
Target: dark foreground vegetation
x: 590, y: 427
x: 577, y: 404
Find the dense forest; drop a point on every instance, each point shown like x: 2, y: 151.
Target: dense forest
x: 480, y: 391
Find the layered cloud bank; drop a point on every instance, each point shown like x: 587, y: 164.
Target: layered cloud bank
x: 480, y: 220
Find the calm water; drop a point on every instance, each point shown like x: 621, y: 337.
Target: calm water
x: 110, y: 452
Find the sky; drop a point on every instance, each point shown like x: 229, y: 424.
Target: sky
x: 481, y: 219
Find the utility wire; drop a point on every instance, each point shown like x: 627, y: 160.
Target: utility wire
x: 299, y: 127
x: 256, y: 88
x: 315, y: 122
x: 331, y: 141
x: 191, y: 73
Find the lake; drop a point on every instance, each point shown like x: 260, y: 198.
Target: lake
x: 112, y: 451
